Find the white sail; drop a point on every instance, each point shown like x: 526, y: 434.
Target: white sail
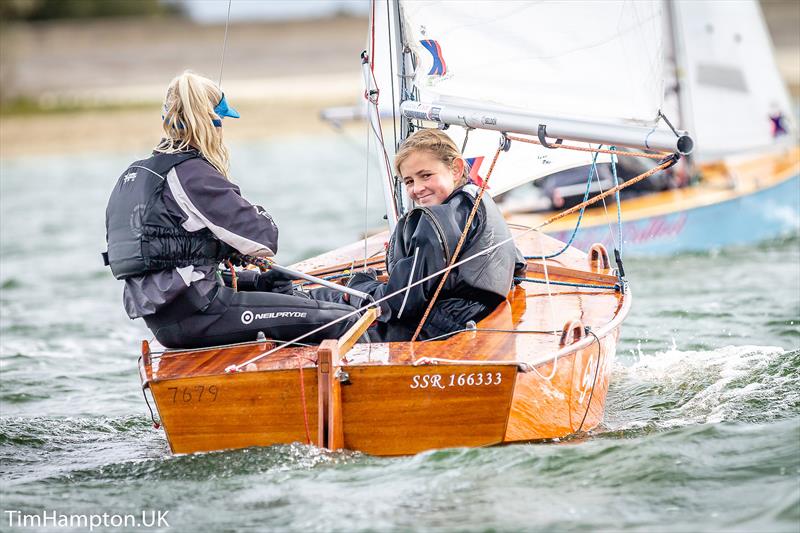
x: 582, y: 59
x: 732, y: 94
x: 569, y: 59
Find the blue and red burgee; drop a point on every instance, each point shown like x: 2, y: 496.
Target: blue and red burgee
x: 474, y: 166
x: 778, y: 128
x: 439, y: 66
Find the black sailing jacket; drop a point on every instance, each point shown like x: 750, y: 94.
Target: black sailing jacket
x: 168, y: 231
x: 424, y: 242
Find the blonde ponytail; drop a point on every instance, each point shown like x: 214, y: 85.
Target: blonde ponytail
x: 188, y: 115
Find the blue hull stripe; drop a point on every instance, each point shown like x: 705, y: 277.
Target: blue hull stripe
x: 765, y: 214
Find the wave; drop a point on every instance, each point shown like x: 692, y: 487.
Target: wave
x: 677, y: 388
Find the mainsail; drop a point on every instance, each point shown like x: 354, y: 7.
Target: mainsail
x: 581, y: 59
x: 585, y: 70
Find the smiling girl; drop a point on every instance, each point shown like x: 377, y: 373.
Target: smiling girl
x: 436, y: 178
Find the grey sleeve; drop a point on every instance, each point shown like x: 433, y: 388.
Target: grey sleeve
x: 208, y: 200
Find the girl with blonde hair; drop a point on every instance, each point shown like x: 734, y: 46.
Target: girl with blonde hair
x: 436, y: 177
x: 174, y: 216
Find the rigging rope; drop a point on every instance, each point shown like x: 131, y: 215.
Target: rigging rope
x: 372, y: 97
x: 391, y: 71
x: 592, y: 171
x: 569, y: 284
x: 617, y: 198
x: 552, y: 313
x: 366, y: 199
x: 660, y: 155
x: 224, y: 45
x: 665, y: 163
x: 234, y: 280
x: 594, y: 382
x: 460, y: 242
x: 605, y: 211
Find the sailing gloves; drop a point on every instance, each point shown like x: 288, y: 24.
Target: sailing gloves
x: 365, y: 281
x: 253, y: 280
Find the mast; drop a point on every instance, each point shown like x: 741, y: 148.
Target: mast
x: 682, y: 89
x: 400, y: 91
x: 406, y: 69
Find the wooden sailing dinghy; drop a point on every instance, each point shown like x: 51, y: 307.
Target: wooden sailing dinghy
x: 538, y: 366
x: 512, y: 378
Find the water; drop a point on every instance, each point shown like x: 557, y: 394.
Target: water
x: 702, y: 429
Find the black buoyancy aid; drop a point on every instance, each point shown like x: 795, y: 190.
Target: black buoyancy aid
x: 492, y: 272
x: 142, y: 235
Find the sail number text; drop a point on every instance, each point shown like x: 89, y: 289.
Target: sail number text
x: 443, y: 381
x: 198, y: 393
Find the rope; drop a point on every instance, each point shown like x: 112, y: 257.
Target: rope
x: 619, y: 207
x: 224, y: 44
x: 605, y: 211
x: 671, y: 160
x: 592, y: 171
x: 466, y: 138
x: 568, y: 284
x: 378, y: 131
x: 366, y: 197
x: 234, y: 280
x: 158, y: 353
x: 156, y: 424
x: 552, y: 312
x: 460, y: 243
x: 594, y: 382
x: 391, y: 72
x: 303, y: 399
x: 660, y: 155
x: 372, y: 37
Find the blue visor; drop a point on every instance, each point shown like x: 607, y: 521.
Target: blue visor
x: 222, y: 110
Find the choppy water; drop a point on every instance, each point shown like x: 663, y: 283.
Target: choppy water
x: 702, y: 429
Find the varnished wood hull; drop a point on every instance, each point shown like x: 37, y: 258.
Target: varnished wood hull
x: 384, y: 409
x: 476, y: 388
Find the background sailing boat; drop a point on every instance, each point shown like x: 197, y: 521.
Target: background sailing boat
x: 741, y: 183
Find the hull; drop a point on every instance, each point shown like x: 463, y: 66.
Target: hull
x: 509, y: 380
x: 735, y: 204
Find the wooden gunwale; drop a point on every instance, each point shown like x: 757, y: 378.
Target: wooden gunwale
x: 588, y: 340
x: 555, y: 270
x: 341, y: 267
